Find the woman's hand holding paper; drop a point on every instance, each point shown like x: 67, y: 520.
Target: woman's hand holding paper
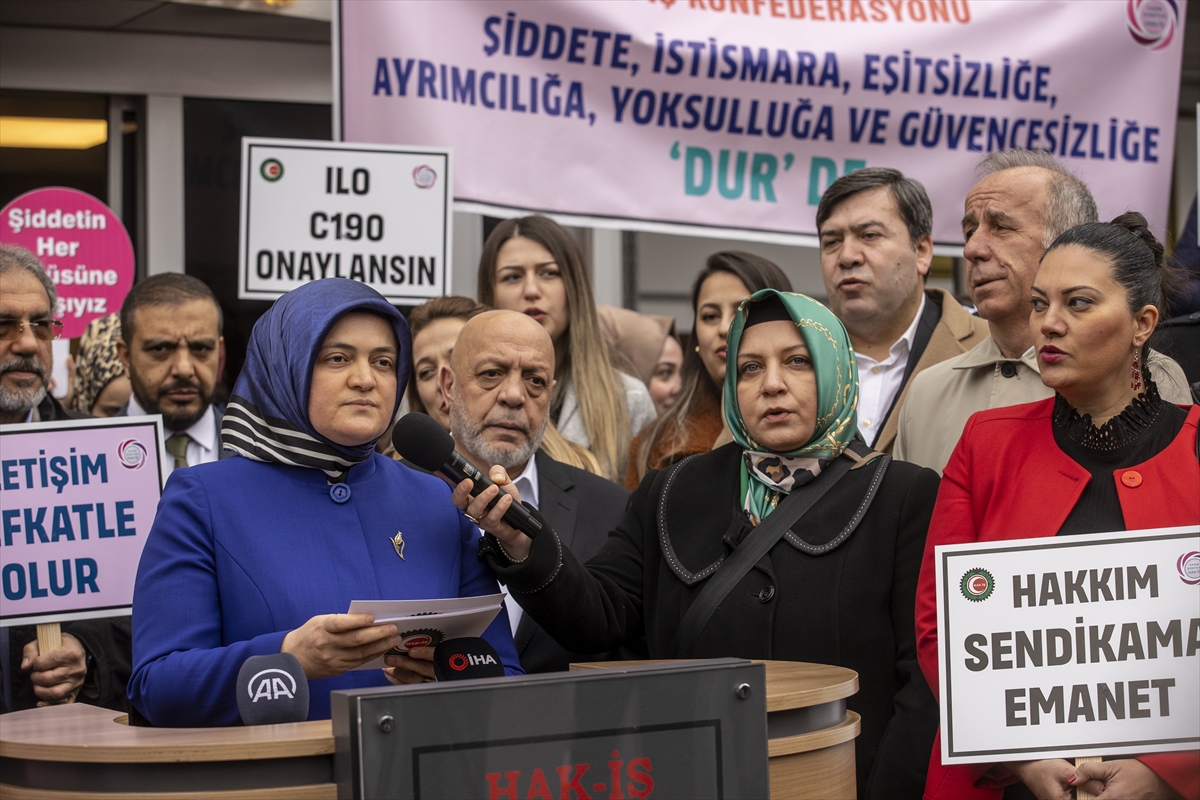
x: 331, y: 644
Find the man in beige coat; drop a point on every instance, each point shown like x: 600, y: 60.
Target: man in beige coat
x: 1023, y: 201
x: 875, y: 227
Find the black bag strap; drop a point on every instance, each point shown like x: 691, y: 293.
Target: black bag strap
x: 748, y: 553
x: 931, y: 315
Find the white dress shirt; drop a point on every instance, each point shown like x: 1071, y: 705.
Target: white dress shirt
x: 880, y: 381
x: 203, y: 445
x: 527, y: 487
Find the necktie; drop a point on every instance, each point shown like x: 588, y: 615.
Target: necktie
x: 177, y: 445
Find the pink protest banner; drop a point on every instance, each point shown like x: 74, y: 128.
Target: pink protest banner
x: 77, y: 499
x: 84, y: 246
x: 738, y: 114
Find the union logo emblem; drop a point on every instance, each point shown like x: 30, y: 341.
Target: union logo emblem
x: 1188, y: 567
x: 977, y: 585
x: 272, y: 170
x: 131, y: 453
x: 421, y: 637
x: 424, y: 177
x: 1152, y: 23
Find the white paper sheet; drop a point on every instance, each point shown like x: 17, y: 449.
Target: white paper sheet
x: 425, y: 623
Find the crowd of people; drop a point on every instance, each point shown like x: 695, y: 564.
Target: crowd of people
x: 770, y: 486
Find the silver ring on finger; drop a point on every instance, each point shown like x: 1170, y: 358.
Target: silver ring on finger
x: 468, y: 516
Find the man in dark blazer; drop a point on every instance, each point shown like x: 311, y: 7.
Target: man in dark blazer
x: 170, y: 347
x: 499, y: 384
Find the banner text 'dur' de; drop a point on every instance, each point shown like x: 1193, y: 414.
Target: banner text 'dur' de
x: 739, y: 113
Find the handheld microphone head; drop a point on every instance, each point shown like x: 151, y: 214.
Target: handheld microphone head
x: 466, y: 658
x: 420, y: 439
x: 272, y: 689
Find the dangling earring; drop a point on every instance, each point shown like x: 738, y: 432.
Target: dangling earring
x: 1135, y: 373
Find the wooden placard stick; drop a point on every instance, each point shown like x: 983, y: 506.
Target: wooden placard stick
x: 49, y: 637
x: 1080, y: 794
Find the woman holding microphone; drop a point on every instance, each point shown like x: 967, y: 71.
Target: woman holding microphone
x: 793, y: 542
x: 1106, y: 453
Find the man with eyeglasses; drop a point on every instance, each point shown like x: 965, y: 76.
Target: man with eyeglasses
x: 93, y: 664
x: 27, y: 328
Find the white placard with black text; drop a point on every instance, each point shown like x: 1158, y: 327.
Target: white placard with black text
x: 1069, y: 646
x: 379, y: 214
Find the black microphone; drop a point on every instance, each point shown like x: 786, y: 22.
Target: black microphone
x: 421, y: 440
x: 272, y: 689
x: 466, y: 658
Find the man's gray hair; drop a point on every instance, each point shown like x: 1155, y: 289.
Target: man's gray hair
x: 15, y: 257
x: 1070, y: 201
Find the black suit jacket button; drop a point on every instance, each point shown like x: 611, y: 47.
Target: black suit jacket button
x: 766, y: 594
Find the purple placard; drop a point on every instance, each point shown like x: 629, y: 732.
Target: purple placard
x: 77, y: 499
x: 84, y: 246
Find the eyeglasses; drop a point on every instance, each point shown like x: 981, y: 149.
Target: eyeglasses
x: 44, y: 330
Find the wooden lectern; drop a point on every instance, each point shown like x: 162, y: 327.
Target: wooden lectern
x: 78, y: 751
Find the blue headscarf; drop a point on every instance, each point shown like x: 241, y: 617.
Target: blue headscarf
x: 267, y: 417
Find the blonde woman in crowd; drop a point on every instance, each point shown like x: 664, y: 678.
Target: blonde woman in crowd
x: 532, y: 265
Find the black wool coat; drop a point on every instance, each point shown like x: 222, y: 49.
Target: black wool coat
x: 851, y: 606
x: 582, y: 508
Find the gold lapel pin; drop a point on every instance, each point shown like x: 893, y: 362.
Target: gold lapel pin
x: 398, y: 544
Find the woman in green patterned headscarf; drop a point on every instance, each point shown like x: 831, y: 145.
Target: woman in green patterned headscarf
x: 836, y: 587
x: 814, y: 345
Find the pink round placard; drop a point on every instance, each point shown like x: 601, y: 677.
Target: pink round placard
x: 84, y: 246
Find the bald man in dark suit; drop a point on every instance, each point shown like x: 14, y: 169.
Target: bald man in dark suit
x: 499, y: 383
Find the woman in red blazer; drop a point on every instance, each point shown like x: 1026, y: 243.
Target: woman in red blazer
x: 1106, y: 453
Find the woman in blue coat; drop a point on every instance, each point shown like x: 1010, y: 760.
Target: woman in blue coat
x: 263, y: 553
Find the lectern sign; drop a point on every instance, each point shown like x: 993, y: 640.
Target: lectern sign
x: 695, y: 730
x: 1070, y: 646
x: 374, y: 213
x: 77, y: 499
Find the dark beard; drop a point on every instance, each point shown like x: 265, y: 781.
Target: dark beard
x: 172, y: 421
x: 181, y: 422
